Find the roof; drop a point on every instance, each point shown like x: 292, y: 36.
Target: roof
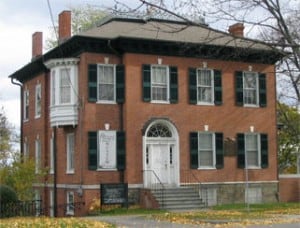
x: 119, y: 35
x: 169, y: 30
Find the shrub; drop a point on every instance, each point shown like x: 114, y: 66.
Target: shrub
x: 7, y: 194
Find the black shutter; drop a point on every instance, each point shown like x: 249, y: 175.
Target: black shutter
x: 194, y: 150
x: 120, y: 83
x: 241, y: 150
x: 239, y: 96
x: 218, y: 87
x: 262, y: 90
x: 121, y: 152
x: 173, y: 84
x: 92, y: 150
x: 92, y: 82
x: 193, y: 85
x: 219, y: 150
x: 146, y: 71
x: 264, y: 150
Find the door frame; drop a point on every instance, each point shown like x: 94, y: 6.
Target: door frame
x: 174, y: 141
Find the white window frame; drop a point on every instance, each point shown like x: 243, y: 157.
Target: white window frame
x: 38, y: 154
x: 26, y: 106
x: 65, y: 87
x: 70, y: 146
x: 113, y: 66
x: 245, y: 73
x: 37, y: 198
x: 70, y: 204
x: 51, y: 155
x: 253, y: 195
x: 57, y: 88
x: 213, y: 166
x: 203, y: 102
x: 38, y: 100
x: 25, y: 149
x: 167, y: 84
x: 51, y: 203
x: 252, y: 166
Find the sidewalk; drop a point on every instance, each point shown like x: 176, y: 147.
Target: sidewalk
x: 142, y: 221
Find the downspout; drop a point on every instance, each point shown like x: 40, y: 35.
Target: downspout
x: 121, y: 105
x: 55, y: 173
x: 21, y: 111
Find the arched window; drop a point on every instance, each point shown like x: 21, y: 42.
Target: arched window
x: 159, y: 130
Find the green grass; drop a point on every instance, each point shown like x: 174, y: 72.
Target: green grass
x: 263, y: 207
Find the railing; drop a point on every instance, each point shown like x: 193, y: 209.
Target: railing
x: 34, y: 208
x: 190, y: 179
x: 21, y: 208
x: 154, y: 183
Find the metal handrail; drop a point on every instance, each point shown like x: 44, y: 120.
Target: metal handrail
x: 199, y: 185
x: 156, y: 188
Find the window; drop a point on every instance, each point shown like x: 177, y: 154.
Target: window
x: 38, y: 202
x: 106, y: 150
x: 51, y: 155
x: 206, y: 150
x: 37, y: 155
x: 209, y: 195
x: 252, y: 150
x: 253, y: 195
x: 65, y: 86
x: 70, y: 153
x: 160, y: 83
x: 250, y: 89
x: 38, y: 100
x: 25, y: 149
x: 26, y: 105
x: 53, y: 85
x: 106, y: 83
x: 205, y: 86
x: 51, y: 203
x: 70, y: 203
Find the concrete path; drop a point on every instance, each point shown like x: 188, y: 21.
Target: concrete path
x: 141, y: 221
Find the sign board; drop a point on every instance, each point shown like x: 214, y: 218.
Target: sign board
x: 107, y: 148
x: 114, y: 193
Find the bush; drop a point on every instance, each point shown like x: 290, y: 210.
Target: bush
x: 7, y: 194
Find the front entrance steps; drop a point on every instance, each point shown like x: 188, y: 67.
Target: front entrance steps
x: 178, y: 198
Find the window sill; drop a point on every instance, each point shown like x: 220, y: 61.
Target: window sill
x: 207, y: 168
x: 205, y: 104
x: 106, y: 102
x: 160, y: 102
x: 26, y: 120
x: 70, y: 213
x: 253, y: 167
x: 37, y: 117
x: 251, y: 106
x: 70, y: 172
x: 113, y: 169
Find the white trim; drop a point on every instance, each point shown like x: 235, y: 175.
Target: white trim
x: 173, y: 141
x: 167, y: 101
x: 114, y: 84
x: 212, y: 80
x: 289, y: 176
x: 69, y: 210
x: 70, y: 154
x: 38, y: 94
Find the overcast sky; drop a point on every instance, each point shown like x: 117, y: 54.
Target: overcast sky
x: 19, y: 19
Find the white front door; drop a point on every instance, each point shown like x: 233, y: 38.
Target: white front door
x: 160, y: 164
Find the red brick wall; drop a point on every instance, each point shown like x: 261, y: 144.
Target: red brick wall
x: 226, y: 118
x: 289, y: 188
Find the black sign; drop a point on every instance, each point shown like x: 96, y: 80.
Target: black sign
x: 114, y: 194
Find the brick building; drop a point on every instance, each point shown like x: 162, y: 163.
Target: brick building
x: 150, y: 102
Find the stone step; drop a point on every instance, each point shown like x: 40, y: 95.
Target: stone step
x: 178, y: 198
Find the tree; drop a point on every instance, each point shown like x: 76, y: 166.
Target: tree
x: 83, y: 18
x: 6, y: 140
x: 289, y: 138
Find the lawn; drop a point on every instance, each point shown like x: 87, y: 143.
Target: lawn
x: 45, y: 222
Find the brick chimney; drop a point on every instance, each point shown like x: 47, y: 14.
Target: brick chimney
x: 237, y: 29
x: 64, y: 25
x: 37, y: 45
